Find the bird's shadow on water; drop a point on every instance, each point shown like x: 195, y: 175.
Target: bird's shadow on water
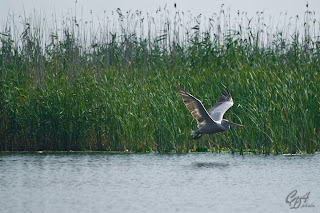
x: 208, y: 165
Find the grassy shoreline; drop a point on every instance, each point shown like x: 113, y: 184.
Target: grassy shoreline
x: 118, y: 93
x: 88, y: 152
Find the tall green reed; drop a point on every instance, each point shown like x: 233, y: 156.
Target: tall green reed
x: 77, y: 87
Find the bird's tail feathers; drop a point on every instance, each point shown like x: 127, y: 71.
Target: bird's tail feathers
x: 193, y: 132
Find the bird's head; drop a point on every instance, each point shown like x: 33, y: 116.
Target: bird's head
x: 227, y: 124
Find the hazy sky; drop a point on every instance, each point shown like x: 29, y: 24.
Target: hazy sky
x: 95, y: 10
x: 293, y: 7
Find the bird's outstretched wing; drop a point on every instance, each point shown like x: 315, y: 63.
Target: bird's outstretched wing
x: 196, y: 108
x: 224, y: 103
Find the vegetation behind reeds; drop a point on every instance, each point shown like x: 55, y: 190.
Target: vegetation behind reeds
x: 74, y: 87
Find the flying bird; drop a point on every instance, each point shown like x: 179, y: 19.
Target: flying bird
x: 209, y: 122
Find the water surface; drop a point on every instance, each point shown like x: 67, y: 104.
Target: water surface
x: 156, y: 183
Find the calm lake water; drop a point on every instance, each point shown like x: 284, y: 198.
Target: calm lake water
x: 157, y: 182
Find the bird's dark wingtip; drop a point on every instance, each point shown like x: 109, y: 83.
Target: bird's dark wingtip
x: 225, y: 95
x: 178, y: 89
x: 226, y: 92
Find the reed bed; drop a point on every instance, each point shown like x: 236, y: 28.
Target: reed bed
x: 77, y: 86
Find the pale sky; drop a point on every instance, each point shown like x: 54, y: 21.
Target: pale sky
x: 88, y: 10
x: 293, y: 7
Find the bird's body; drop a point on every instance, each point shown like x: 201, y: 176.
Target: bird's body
x: 209, y: 122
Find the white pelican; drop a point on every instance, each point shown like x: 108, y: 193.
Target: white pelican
x: 209, y: 122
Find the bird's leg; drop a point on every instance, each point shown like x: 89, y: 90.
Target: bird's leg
x: 197, y: 136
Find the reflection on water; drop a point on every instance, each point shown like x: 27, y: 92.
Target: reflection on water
x: 210, y: 164
x: 203, y: 182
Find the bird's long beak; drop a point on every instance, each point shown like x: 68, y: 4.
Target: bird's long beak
x: 234, y: 124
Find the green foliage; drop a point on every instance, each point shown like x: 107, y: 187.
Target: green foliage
x: 117, y: 92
